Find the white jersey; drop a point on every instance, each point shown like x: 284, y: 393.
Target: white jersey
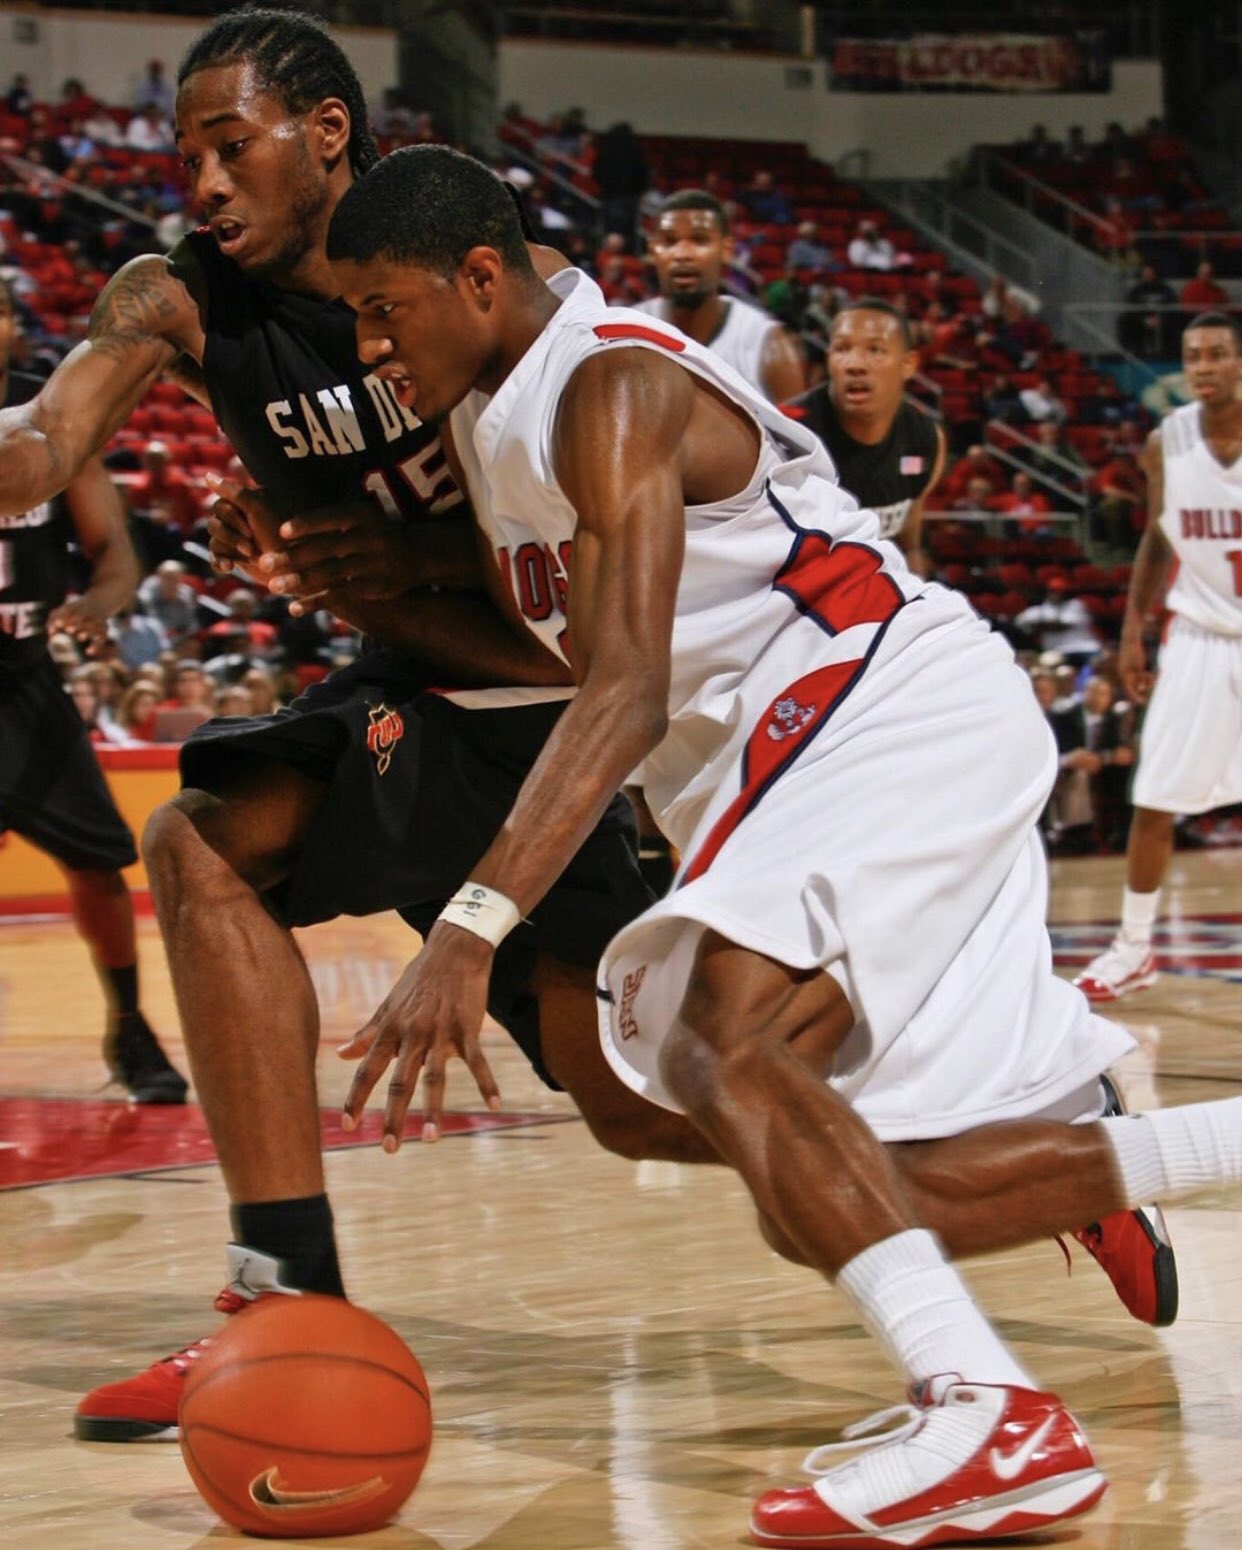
x: 752, y: 564
x: 852, y: 769
x: 1202, y: 519
x: 740, y: 340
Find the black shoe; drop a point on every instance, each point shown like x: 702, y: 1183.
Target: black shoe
x: 137, y: 1062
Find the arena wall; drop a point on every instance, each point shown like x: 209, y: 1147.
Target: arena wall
x: 766, y: 97
x: 109, y: 52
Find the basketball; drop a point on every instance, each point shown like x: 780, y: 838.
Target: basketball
x: 307, y: 1416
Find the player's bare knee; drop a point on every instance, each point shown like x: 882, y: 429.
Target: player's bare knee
x: 178, y: 849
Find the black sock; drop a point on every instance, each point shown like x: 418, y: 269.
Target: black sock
x: 123, y: 988
x: 655, y: 862
x: 299, y: 1234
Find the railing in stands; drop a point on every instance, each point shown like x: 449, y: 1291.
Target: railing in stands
x: 1002, y: 438
x: 1187, y: 246
x: 53, y: 180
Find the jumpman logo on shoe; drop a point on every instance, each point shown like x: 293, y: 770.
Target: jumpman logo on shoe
x: 238, y: 1282
x: 1008, y: 1466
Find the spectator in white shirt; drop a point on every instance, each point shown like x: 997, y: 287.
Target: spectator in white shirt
x: 149, y: 131
x: 868, y: 250
x: 1041, y: 402
x: 153, y: 91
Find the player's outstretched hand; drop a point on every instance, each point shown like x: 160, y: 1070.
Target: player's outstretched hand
x: 82, y: 618
x: 433, y: 1013
x: 353, y: 549
x: 1132, y: 666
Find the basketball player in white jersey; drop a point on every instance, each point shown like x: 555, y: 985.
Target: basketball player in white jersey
x: 690, y: 247
x: 838, y: 966
x: 1190, y: 758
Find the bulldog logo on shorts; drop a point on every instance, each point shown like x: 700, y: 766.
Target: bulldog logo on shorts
x: 788, y: 719
x: 630, y: 987
x: 384, y: 733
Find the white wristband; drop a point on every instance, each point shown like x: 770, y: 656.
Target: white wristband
x: 482, y: 910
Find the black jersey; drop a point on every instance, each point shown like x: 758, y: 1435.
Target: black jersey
x: 887, y: 477
x: 34, y: 561
x: 311, y: 424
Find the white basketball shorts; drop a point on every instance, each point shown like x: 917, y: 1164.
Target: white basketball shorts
x: 1190, y: 755
x: 898, y: 852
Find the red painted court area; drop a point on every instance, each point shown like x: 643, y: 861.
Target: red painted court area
x: 53, y: 1140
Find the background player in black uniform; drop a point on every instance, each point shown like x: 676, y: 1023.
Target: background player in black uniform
x: 889, y: 453
x: 51, y: 789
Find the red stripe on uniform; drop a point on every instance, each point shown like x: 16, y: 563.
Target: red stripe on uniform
x: 637, y: 331
x: 840, y: 584
x: 784, y: 729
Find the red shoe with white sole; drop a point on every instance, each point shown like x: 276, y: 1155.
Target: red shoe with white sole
x: 974, y: 1461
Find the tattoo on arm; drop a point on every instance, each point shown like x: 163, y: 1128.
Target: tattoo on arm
x: 135, y: 309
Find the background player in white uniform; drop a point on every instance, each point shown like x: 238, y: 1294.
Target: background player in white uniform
x: 690, y: 247
x: 1190, y: 754
x: 730, y: 611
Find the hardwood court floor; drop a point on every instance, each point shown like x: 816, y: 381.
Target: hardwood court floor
x: 616, y: 1360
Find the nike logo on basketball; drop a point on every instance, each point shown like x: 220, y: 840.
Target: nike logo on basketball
x: 268, y: 1490
x: 1008, y: 1466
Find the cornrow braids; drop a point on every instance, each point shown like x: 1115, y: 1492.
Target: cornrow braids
x: 295, y: 59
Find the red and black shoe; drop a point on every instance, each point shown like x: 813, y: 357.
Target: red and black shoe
x: 973, y: 1461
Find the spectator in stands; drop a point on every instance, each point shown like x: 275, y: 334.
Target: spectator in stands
x: 975, y: 463
x: 1001, y: 401
x: 233, y: 654
x: 1203, y: 292
x: 1114, y: 235
x: 136, y: 713
x: 86, y: 701
x: 1147, y: 332
x: 621, y: 175
x: 869, y: 250
x: 1119, y: 489
x: 164, y: 507
x: 1022, y: 502
x: 149, y: 131
x: 806, y: 251
x: 243, y: 621
x: 234, y: 700
x: 103, y: 129
x: 19, y: 99
x: 978, y: 495
x: 139, y: 639
x: 764, y: 202
x: 1040, y: 150
x: 75, y: 102
x: 168, y: 598
x: 262, y: 689
x: 1054, y: 463
x: 191, y: 688
x: 1061, y: 624
x: 1110, y: 405
x: 621, y: 287
x: 1041, y: 402
x: 1077, y: 149
x: 153, y: 91
x: 392, y: 116
x: 996, y: 300
x: 75, y: 144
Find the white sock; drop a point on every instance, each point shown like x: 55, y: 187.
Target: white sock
x: 916, y: 1306
x: 1176, y: 1151
x: 1138, y: 915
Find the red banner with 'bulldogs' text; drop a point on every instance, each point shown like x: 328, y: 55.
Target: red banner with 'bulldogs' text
x: 995, y: 62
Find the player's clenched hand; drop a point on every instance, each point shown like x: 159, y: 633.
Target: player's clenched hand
x: 82, y: 618
x: 353, y: 548
x: 433, y: 1013
x: 1132, y: 666
x: 237, y: 524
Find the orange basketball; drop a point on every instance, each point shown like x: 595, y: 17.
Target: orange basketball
x: 306, y: 1416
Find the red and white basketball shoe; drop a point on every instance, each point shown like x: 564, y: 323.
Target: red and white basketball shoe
x: 970, y: 1461
x: 143, y: 1408
x: 1125, y: 966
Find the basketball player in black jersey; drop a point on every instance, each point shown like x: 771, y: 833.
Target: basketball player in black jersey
x: 889, y: 453
x: 367, y: 793
x: 51, y: 789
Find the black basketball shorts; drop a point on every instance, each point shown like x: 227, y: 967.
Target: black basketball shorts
x: 417, y: 789
x: 52, y: 791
